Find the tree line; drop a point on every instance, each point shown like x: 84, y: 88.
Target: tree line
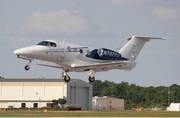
x: 137, y: 96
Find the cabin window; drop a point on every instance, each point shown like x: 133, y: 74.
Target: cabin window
x: 69, y: 48
x: 81, y: 51
x: 51, y: 44
x: 47, y: 43
x: 88, y: 52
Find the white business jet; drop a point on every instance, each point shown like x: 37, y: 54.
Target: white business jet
x: 70, y: 57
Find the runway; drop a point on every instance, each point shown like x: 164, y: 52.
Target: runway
x: 87, y: 117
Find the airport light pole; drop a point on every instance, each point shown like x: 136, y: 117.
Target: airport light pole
x: 168, y: 95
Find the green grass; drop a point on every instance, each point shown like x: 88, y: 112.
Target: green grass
x: 38, y: 113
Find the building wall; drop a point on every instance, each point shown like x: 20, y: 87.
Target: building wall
x: 17, y: 104
x: 81, y: 94
x: 174, y: 107
x: 31, y: 90
x: 108, y: 103
x: 15, y: 93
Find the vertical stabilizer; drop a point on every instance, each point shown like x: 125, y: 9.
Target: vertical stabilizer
x: 132, y: 48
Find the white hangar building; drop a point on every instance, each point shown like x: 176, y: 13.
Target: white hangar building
x: 38, y: 92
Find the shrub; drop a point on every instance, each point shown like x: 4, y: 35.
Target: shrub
x: 73, y: 108
x: 57, y: 107
x: 23, y: 108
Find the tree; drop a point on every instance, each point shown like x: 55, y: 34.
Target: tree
x: 137, y: 96
x: 1, y: 77
x: 61, y: 102
x: 55, y: 102
x: 97, y: 87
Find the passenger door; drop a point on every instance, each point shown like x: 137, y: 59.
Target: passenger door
x: 62, y: 50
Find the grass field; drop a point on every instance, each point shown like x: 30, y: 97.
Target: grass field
x: 38, y: 113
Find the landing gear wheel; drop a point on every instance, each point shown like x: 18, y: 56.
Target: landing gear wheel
x: 67, y: 78
x: 27, y: 67
x: 91, y: 79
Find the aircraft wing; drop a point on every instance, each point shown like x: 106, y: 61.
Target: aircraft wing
x: 86, y: 67
x: 100, y: 65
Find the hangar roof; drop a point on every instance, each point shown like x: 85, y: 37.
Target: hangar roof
x: 34, y: 80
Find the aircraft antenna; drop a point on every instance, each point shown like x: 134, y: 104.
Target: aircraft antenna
x: 63, y: 40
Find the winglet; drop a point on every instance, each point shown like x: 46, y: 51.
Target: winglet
x: 63, y: 40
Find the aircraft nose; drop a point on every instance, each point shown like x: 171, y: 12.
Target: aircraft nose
x: 16, y: 52
x: 21, y: 51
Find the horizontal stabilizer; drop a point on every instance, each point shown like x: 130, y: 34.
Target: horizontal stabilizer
x: 148, y: 38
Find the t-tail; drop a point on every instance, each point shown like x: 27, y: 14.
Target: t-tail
x: 134, y: 45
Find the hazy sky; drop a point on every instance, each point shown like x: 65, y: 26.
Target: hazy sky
x: 94, y: 23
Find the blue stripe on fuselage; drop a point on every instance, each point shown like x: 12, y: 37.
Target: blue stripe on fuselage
x: 94, y: 55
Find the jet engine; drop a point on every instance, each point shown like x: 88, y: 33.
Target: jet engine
x: 108, y: 54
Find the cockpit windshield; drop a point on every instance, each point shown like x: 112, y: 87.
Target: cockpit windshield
x: 47, y: 43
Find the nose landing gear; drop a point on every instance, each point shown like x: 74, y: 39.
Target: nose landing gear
x: 27, y: 67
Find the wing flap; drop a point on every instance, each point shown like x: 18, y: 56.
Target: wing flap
x: 86, y: 67
x: 48, y: 65
x: 99, y: 65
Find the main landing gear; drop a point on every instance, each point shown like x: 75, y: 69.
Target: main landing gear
x: 65, y: 76
x: 91, y: 79
x: 27, y: 67
x: 91, y: 75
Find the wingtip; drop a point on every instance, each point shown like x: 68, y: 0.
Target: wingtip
x: 165, y: 38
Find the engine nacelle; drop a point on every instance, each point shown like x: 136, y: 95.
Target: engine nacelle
x: 108, y: 54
